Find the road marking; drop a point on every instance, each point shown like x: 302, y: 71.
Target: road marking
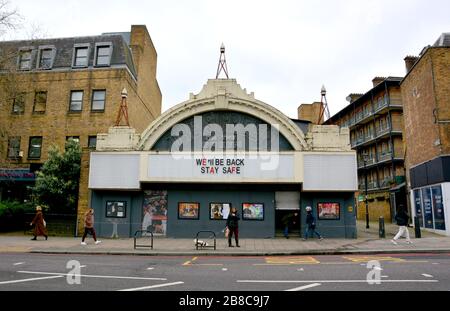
x: 369, y: 258
x: 435, y: 263
x: 150, y: 268
x: 189, y: 262
x: 149, y: 287
x: 95, y: 276
x: 335, y: 281
x: 301, y: 269
x: 295, y: 260
x: 18, y: 263
x: 224, y: 269
x: 384, y: 276
x: 427, y: 275
x: 30, y: 280
x: 296, y: 289
x: 83, y: 266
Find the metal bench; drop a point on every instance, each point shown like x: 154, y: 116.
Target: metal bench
x: 205, y: 246
x: 143, y: 245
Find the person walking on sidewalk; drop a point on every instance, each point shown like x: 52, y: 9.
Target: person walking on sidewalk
x: 233, y: 227
x: 39, y: 224
x: 402, y: 219
x: 89, y: 227
x: 311, y: 224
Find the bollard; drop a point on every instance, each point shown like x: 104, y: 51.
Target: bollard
x: 417, y: 227
x: 382, y: 231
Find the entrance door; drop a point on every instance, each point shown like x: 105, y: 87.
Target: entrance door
x: 287, y: 203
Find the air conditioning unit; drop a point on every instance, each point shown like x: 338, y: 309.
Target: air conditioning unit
x: 20, y: 154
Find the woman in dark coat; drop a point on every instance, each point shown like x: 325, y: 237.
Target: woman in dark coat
x: 233, y: 227
x: 39, y: 226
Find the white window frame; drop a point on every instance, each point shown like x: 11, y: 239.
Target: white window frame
x: 74, y: 55
x: 19, y: 57
x: 52, y: 59
x: 103, y: 44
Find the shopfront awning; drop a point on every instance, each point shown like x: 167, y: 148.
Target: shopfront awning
x: 398, y: 187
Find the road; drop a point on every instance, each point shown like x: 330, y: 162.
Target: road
x: 404, y: 272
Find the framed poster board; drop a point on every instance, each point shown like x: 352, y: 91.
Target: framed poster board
x: 188, y: 210
x: 116, y: 209
x: 253, y: 211
x: 328, y: 211
x: 219, y: 211
x: 155, y: 211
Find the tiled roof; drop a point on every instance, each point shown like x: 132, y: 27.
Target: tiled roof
x: 121, y: 53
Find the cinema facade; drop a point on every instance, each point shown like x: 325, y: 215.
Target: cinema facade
x: 221, y: 149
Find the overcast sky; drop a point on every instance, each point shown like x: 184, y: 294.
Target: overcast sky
x: 282, y: 50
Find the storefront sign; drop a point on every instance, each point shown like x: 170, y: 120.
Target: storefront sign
x: 272, y: 167
x: 17, y: 175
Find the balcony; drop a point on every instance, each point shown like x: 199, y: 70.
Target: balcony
x: 373, y: 185
x: 384, y: 157
x: 369, y: 162
x: 386, y: 183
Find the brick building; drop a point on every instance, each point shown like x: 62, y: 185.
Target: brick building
x: 426, y: 98
x: 54, y: 89
x: 376, y: 127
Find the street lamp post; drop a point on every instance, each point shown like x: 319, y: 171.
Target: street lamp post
x: 367, y: 204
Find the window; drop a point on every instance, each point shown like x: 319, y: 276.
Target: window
x: 45, y: 58
x: 19, y: 104
x: 98, y: 100
x: 74, y: 138
x: 40, y: 101
x: 13, y: 147
x: 25, y: 60
x: 81, y: 56
x: 76, y: 101
x: 103, y: 55
x: 92, y: 142
x: 34, y: 148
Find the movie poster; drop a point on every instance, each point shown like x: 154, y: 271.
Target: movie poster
x: 155, y: 212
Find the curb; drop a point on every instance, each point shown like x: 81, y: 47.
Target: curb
x: 237, y: 254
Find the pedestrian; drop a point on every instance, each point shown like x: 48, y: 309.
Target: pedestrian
x: 89, y: 227
x: 402, y: 219
x: 288, y: 221
x: 233, y: 227
x: 39, y: 224
x: 311, y: 224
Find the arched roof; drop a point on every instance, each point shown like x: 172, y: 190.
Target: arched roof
x: 222, y: 94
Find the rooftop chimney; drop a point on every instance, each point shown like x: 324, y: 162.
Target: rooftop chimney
x: 409, y: 62
x: 377, y: 80
x: 353, y: 97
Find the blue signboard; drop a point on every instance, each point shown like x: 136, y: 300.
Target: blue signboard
x: 418, y: 206
x: 427, y: 207
x: 438, y: 208
x: 17, y: 175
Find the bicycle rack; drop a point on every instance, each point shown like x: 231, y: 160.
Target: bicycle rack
x: 209, y: 246
x: 143, y: 245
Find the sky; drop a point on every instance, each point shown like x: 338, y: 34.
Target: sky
x: 283, y: 51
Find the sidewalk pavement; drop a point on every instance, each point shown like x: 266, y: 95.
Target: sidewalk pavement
x: 367, y: 243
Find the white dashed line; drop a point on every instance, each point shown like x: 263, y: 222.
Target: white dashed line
x: 95, y: 276
x: 224, y: 269
x: 296, y: 289
x: 301, y: 269
x: 150, y: 268
x: 150, y: 287
x: 83, y: 266
x: 30, y: 280
x: 18, y: 263
x: 427, y: 275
